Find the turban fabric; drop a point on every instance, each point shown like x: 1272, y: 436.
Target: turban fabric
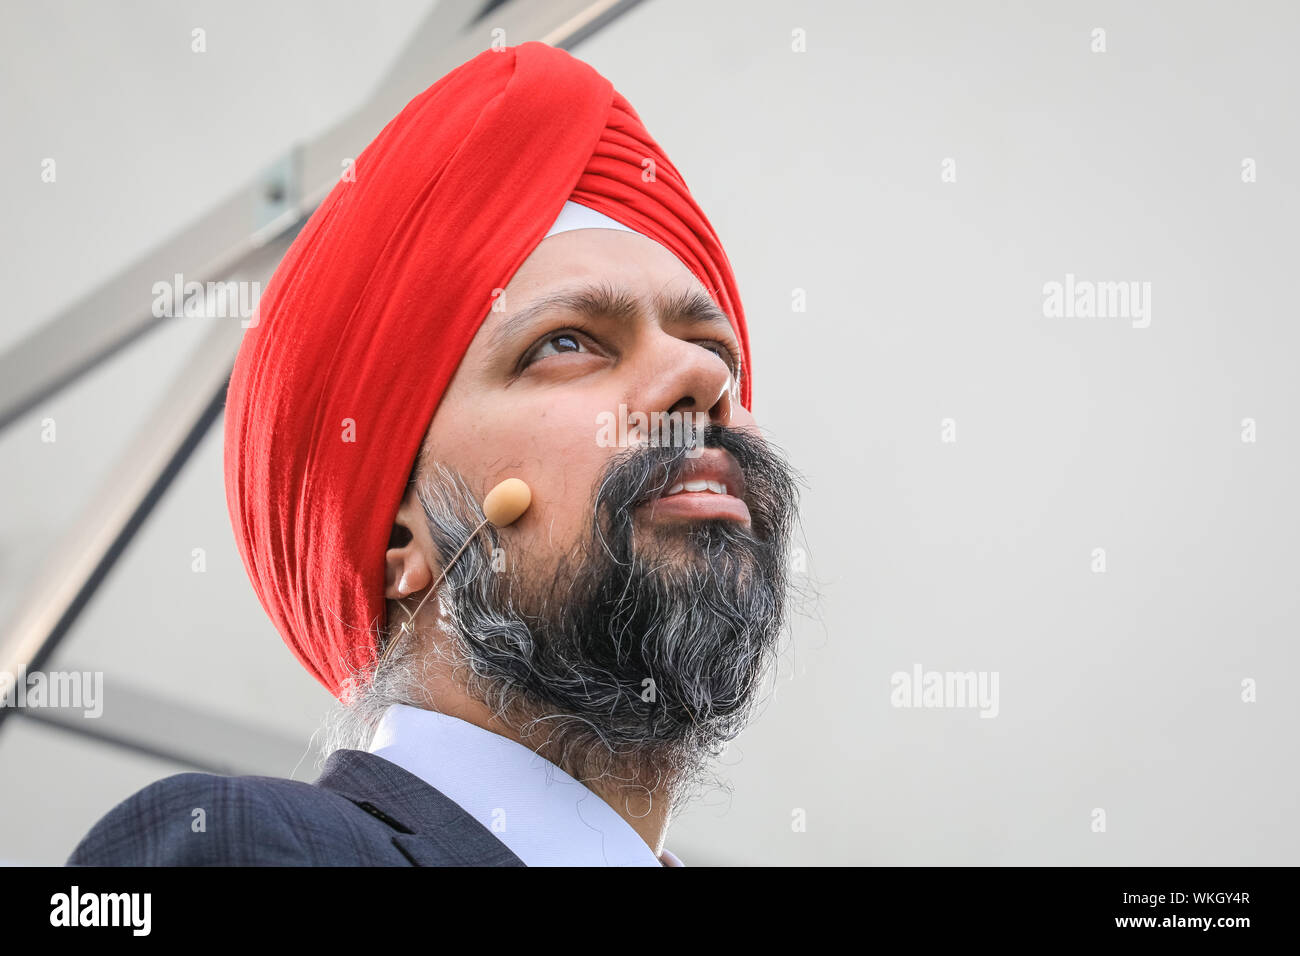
x: 370, y: 312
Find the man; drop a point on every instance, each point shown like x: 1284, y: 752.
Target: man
x: 514, y: 253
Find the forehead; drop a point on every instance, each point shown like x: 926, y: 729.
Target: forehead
x: 625, y: 260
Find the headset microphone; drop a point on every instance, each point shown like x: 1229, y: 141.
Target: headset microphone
x: 503, y: 506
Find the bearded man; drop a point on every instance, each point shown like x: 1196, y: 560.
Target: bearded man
x: 512, y: 261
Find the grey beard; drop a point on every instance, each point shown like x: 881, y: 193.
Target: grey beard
x: 632, y: 659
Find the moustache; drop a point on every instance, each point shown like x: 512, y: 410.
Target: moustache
x: 642, y: 473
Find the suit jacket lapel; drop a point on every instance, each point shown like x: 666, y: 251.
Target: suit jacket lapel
x: 428, y: 827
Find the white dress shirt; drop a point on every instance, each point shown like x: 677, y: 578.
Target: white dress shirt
x: 542, y: 814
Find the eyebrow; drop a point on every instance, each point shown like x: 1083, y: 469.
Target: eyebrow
x: 604, y: 301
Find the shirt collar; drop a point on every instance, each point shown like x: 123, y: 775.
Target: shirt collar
x: 542, y: 814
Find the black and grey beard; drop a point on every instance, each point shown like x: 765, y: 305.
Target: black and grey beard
x: 641, y: 654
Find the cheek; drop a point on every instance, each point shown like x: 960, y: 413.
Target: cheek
x: 556, y: 453
x: 552, y: 447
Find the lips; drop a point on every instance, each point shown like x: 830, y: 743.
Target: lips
x: 711, y: 486
x: 713, y: 472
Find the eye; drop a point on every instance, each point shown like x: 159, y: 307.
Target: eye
x: 558, y: 344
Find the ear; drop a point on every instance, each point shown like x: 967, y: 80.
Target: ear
x: 407, y: 562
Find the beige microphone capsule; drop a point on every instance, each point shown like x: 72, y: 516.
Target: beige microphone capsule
x: 507, y: 501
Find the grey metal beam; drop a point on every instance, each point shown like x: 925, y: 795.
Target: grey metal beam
x: 167, y: 730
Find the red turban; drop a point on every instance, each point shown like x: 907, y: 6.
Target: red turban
x: 370, y: 312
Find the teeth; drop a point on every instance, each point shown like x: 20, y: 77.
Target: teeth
x: 717, y: 487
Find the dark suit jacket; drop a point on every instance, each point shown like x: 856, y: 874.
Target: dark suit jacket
x: 363, y: 811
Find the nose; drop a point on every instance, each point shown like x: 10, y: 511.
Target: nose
x: 687, y: 378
